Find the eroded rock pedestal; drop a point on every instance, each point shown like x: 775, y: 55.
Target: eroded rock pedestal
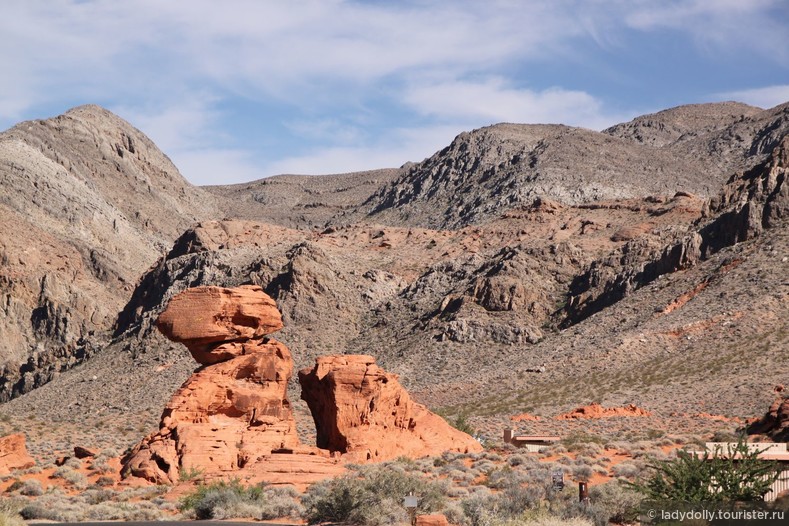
x: 233, y: 416
x: 233, y: 413
x: 364, y: 413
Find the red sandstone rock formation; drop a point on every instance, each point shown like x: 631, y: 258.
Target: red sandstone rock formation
x: 363, y: 412
x: 13, y: 454
x: 233, y: 415
x: 234, y: 411
x: 524, y: 417
x: 434, y: 519
x: 775, y: 423
x: 214, y: 322
x: 598, y: 411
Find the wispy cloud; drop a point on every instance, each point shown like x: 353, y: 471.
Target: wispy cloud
x: 765, y: 97
x: 390, y: 150
x: 339, y: 80
x: 495, y: 100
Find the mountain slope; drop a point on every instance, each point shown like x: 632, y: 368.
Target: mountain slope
x: 88, y: 203
x: 486, y: 171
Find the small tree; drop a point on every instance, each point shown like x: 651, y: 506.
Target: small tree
x: 736, y: 475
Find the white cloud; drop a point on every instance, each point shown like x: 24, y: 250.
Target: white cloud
x: 213, y: 166
x: 754, y: 25
x: 392, y: 150
x: 493, y: 100
x: 765, y: 97
x: 337, y: 69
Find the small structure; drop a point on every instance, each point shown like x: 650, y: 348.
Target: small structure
x: 774, y: 451
x: 531, y: 443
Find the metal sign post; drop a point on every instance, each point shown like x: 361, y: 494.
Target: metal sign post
x: 411, y: 502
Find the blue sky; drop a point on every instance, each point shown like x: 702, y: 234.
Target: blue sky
x: 238, y: 90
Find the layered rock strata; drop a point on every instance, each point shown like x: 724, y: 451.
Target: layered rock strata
x: 364, y: 413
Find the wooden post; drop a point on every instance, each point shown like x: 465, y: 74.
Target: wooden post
x: 583, y: 492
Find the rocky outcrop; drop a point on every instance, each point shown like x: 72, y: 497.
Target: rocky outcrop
x: 749, y: 203
x: 215, y: 323
x: 364, y: 413
x: 487, y: 171
x: 13, y: 454
x: 87, y: 204
x: 593, y: 411
x: 234, y: 411
x: 233, y: 415
x: 775, y: 423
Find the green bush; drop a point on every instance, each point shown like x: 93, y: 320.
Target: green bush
x: 371, y: 496
x: 735, y: 475
x: 222, y: 500
x: 613, y: 502
x: 228, y: 500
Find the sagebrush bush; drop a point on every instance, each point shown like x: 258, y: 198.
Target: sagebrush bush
x: 222, y: 500
x: 31, y: 488
x: 613, y: 502
x: 625, y: 469
x: 371, y: 496
x: 229, y: 500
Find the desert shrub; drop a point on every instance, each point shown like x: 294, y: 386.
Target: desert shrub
x: 192, y: 473
x: 483, y: 466
x: 710, y: 477
x: 15, y: 485
x: 454, y: 513
x: 486, y: 508
x: 31, y: 488
x: 517, y: 460
x: 223, y: 500
x: 100, y: 466
x: 76, y: 479
x: 582, y: 472
x: 73, y: 463
x: 280, y: 502
x: 373, y: 495
x: 10, y: 518
x: 625, y: 469
x: 613, y: 503
x: 115, y: 511
x: 97, y: 496
x: 105, y: 481
x: 725, y: 436
x: 578, y: 439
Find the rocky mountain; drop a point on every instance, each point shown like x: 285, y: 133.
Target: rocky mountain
x: 87, y: 204
x: 301, y: 201
x: 522, y: 268
x: 689, y: 149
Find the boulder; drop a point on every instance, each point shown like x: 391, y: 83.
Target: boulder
x: 433, y: 519
x: 213, y: 321
x: 775, y: 423
x: 13, y: 454
x: 593, y: 411
x: 364, y: 413
x: 83, y: 452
